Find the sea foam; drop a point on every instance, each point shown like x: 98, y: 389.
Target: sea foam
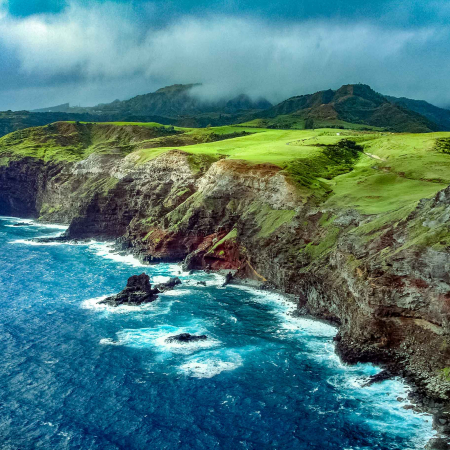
x: 156, y: 338
x: 212, y: 363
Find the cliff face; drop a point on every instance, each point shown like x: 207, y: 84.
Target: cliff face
x: 384, y: 279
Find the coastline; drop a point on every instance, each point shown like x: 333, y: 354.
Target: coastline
x: 418, y: 399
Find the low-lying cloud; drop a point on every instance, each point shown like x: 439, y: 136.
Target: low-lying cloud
x: 99, y: 53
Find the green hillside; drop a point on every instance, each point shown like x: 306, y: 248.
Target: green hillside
x: 439, y: 116
x: 351, y: 106
x: 370, y: 171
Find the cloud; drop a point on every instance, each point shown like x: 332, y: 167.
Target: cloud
x: 110, y: 46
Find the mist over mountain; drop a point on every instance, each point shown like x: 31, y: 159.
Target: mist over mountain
x: 354, y: 106
x: 175, y: 101
x: 89, y: 52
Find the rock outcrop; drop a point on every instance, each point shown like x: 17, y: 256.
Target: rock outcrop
x: 168, y: 285
x: 186, y: 338
x: 137, y: 291
x: 384, y: 279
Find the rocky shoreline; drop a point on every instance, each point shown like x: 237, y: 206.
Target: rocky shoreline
x: 384, y: 279
x: 138, y: 291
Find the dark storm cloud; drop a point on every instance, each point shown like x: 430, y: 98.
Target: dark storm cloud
x: 89, y: 52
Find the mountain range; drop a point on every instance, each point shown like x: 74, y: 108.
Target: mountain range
x: 355, y: 106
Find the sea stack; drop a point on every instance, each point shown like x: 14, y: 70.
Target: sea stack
x: 137, y: 291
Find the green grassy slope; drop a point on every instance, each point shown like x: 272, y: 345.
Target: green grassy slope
x: 74, y: 141
x: 384, y: 172
x: 393, y: 170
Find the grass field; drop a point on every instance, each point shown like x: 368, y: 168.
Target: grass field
x: 273, y: 146
x: 401, y: 168
x: 392, y: 171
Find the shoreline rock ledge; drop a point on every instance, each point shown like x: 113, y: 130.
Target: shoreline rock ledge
x: 137, y: 291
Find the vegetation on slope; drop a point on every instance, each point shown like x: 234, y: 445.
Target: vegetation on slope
x: 439, y: 116
x: 73, y: 141
x: 370, y: 171
x: 355, y: 107
x: 351, y: 106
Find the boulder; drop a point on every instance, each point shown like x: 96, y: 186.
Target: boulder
x: 137, y: 291
x: 186, y: 337
x: 228, y: 279
x: 168, y: 285
x: 385, y: 374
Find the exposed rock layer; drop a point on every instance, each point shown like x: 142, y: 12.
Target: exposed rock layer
x: 385, y: 280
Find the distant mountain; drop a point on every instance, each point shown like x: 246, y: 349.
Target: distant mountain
x: 439, y: 116
x: 355, y: 106
x: 350, y: 104
x: 176, y: 101
x: 65, y: 107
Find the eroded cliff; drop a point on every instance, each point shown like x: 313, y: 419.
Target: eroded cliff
x: 384, y: 278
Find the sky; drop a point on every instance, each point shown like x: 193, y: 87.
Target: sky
x: 91, y: 51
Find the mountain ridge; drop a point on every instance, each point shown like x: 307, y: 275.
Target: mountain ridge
x: 440, y: 116
x: 352, y: 103
x: 353, y: 106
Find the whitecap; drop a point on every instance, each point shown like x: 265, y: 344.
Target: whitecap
x: 107, y: 250
x: 49, y: 225
x: 160, y: 279
x: 177, y: 293
x: 207, y: 369
x: 284, y: 309
x: 154, y: 308
x: 109, y: 341
x: 93, y: 303
x: 32, y: 223
x: 156, y: 338
x: 37, y: 243
x: 210, y: 364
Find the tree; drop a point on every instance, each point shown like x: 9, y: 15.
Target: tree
x: 309, y: 123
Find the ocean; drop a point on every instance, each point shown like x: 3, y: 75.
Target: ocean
x: 76, y: 375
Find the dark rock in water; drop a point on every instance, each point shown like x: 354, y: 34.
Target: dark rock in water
x: 438, y: 444
x: 202, y: 283
x: 168, y: 285
x: 379, y: 377
x: 186, y: 337
x: 138, y: 291
x: 228, y: 278
x: 20, y: 224
x: 62, y: 238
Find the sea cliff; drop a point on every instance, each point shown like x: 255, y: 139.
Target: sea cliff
x: 382, y: 277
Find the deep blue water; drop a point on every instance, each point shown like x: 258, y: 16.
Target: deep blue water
x: 78, y: 376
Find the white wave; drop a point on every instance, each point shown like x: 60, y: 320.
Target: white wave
x: 93, y: 303
x: 284, y: 308
x: 176, y: 293
x: 210, y: 364
x: 50, y: 225
x: 109, y: 341
x: 154, y: 308
x: 176, y: 270
x: 26, y: 224
x: 156, y: 338
x: 160, y: 279
x: 106, y: 250
x: 32, y: 223
x: 36, y: 243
